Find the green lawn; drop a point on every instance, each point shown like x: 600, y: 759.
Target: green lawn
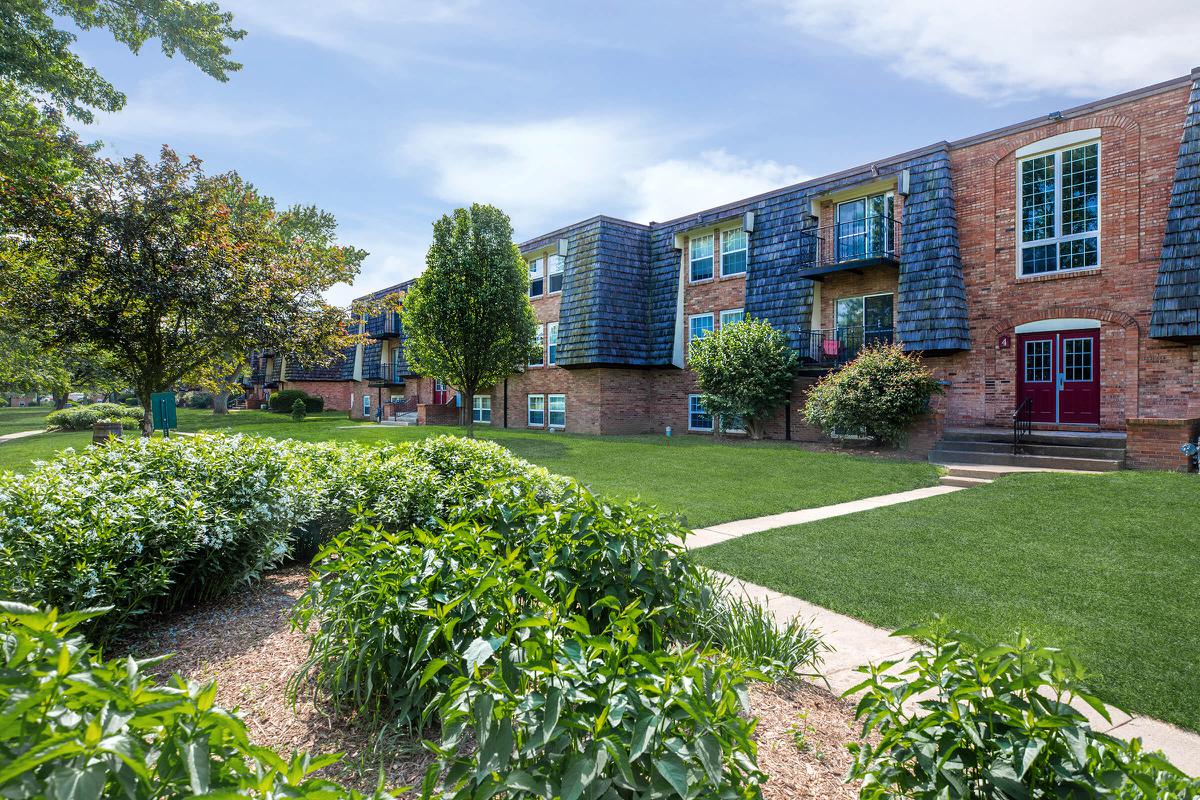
x: 705, y: 482
x: 1105, y: 566
x: 13, y: 420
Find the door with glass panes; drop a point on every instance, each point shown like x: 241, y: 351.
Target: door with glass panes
x: 864, y: 227
x: 862, y: 321
x: 1059, y: 373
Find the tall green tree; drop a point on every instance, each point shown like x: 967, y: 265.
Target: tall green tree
x: 43, y: 82
x: 467, y: 319
x: 171, y: 275
x: 745, y: 371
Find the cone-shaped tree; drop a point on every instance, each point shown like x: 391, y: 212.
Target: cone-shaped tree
x: 467, y: 320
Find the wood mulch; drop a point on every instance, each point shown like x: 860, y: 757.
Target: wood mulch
x: 246, y: 644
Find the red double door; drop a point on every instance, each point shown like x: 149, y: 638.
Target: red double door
x: 1060, y: 372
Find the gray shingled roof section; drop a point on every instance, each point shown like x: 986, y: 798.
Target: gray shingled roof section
x: 341, y: 369
x: 605, y: 311
x: 1175, y: 313
x: 931, y: 312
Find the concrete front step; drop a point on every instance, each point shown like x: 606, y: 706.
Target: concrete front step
x: 1068, y: 438
x: 1034, y: 449
x: 963, y: 481
x: 946, y: 453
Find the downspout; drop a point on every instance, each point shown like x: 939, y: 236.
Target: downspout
x: 506, y: 402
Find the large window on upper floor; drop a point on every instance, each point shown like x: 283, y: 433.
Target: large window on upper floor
x: 733, y: 252
x: 700, y: 258
x: 1060, y: 210
x: 554, y: 269
x: 537, y: 277
x: 552, y: 342
x: 539, y: 344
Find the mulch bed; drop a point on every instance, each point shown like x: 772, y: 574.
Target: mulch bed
x: 246, y: 644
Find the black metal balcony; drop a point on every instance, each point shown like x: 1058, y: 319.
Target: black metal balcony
x: 385, y: 374
x: 384, y: 326
x: 849, y: 246
x: 833, y: 347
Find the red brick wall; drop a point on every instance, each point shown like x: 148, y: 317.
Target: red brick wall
x: 1154, y: 443
x: 335, y: 393
x: 1140, y: 377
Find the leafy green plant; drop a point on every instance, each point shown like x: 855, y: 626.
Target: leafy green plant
x: 561, y: 709
x: 284, y: 401
x: 745, y: 371
x: 298, y: 412
x: 879, y: 394
x: 747, y: 630
x: 82, y: 418
x: 75, y: 726
x: 963, y: 720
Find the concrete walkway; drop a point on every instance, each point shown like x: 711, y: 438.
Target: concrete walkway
x: 856, y: 643
x: 8, y: 437
x: 703, y: 537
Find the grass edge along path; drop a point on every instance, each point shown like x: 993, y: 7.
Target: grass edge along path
x: 1105, y: 566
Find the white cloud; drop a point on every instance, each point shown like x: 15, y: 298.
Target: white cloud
x: 395, y: 256
x: 553, y: 171
x: 998, y: 50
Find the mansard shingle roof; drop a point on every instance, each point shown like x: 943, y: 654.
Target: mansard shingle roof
x: 340, y: 369
x: 1176, y: 310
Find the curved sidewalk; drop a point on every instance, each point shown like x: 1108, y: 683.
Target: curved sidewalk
x: 856, y: 643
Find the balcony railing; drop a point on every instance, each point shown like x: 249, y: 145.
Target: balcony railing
x: 834, y: 347
x: 384, y: 326
x: 851, y: 245
x: 385, y: 374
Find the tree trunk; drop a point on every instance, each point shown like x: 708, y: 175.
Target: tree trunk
x: 466, y: 410
x: 755, y: 428
x: 147, y: 416
x: 221, y: 403
x: 60, y: 401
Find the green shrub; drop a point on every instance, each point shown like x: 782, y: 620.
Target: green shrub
x: 559, y: 709
x: 74, y: 726
x: 298, y: 412
x: 745, y: 372
x: 285, y: 400
x: 82, y: 418
x: 389, y: 610
x: 196, y: 399
x: 967, y: 721
x: 879, y: 395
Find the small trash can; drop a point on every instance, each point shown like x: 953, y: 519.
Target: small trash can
x: 103, y: 431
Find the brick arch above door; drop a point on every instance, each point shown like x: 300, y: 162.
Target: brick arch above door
x: 1120, y: 359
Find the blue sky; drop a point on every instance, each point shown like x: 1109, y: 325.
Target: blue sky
x: 389, y: 114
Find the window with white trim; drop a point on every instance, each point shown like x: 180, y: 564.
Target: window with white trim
x: 734, y: 247
x: 700, y: 258
x: 558, y: 410
x: 536, y: 411
x: 699, y: 326
x: 481, y: 409
x: 555, y: 271
x: 698, y: 418
x: 536, y: 277
x: 732, y: 315
x: 552, y: 342
x: 1060, y: 210
x: 539, y: 344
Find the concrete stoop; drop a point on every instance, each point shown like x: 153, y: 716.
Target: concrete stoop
x: 1079, y: 451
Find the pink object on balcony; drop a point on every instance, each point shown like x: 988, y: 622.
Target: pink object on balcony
x: 830, y: 347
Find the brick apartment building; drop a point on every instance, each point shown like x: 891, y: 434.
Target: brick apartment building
x: 1051, y: 267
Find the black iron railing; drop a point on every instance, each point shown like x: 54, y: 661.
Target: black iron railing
x: 833, y: 347
x: 875, y: 238
x: 1022, y: 423
x: 385, y: 374
x: 384, y: 326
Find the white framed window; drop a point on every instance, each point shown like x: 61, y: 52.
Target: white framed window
x: 698, y: 418
x: 700, y: 258
x: 734, y: 252
x: 554, y: 269
x: 732, y: 315
x: 537, y: 278
x: 557, y: 404
x: 699, y: 326
x: 536, y: 411
x: 552, y: 342
x: 366, y: 403
x: 481, y: 409
x: 1059, y: 210
x: 540, y: 343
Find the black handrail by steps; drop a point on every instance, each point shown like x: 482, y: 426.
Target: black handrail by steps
x: 1022, y: 423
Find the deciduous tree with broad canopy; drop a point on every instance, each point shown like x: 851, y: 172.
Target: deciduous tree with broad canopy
x: 745, y: 370
x: 467, y: 319
x: 171, y: 275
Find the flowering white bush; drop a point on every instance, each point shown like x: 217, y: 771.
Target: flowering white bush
x: 156, y: 524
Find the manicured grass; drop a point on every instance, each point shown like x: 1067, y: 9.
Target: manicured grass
x: 1107, y: 567
x: 705, y: 482
x: 13, y: 420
